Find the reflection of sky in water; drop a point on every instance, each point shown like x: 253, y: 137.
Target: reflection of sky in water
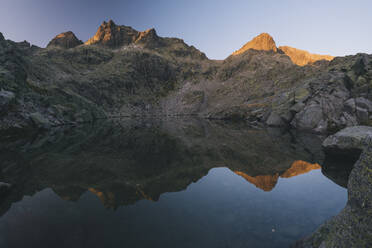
x: 221, y: 210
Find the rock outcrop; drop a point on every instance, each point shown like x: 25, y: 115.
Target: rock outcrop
x: 302, y: 57
x: 112, y: 35
x: 262, y: 42
x: 65, y: 40
x: 353, y: 226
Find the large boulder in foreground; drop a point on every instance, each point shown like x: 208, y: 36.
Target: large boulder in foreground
x: 353, y: 226
x: 348, y: 142
x: 65, y: 40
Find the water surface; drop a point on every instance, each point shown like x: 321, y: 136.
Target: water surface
x: 178, y: 183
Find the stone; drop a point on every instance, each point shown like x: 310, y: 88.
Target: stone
x: 347, y: 142
x: 362, y: 115
x: 6, y: 97
x: 363, y: 103
x: 350, y: 106
x: 39, y: 120
x: 275, y: 120
x: 309, y: 118
x: 297, y: 107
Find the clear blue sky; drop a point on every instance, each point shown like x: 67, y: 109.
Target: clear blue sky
x: 216, y: 27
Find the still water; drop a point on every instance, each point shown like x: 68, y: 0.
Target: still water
x: 177, y: 183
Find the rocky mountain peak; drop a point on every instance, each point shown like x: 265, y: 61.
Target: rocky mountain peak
x: 1, y: 36
x: 65, y: 40
x: 112, y: 35
x: 302, y: 57
x: 263, y: 41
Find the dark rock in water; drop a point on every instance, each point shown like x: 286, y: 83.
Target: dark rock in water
x: 348, y: 143
x: 353, y: 226
x: 338, y: 169
x: 65, y: 40
x: 4, y: 188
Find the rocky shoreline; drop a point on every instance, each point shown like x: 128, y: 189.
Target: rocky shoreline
x: 352, y: 227
x: 124, y: 72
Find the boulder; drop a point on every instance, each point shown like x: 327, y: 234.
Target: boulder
x: 39, y: 120
x: 362, y: 115
x: 309, y: 118
x: 363, y: 103
x: 348, y: 142
x: 275, y: 120
x: 350, y: 106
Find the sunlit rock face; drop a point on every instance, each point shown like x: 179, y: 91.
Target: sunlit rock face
x: 263, y: 41
x: 302, y: 57
x: 300, y: 167
x: 65, y: 40
x: 112, y: 35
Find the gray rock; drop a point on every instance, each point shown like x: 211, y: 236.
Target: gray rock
x: 309, y: 118
x: 349, y: 106
x: 6, y: 97
x: 39, y: 120
x: 297, y: 107
x: 349, y: 141
x: 275, y: 120
x: 364, y: 103
x: 362, y: 115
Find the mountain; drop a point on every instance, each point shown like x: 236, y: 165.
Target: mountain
x: 302, y: 57
x: 111, y: 35
x: 115, y: 36
x: 124, y: 72
x: 263, y: 42
x: 65, y: 40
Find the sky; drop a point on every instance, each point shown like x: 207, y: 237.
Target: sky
x: 216, y: 27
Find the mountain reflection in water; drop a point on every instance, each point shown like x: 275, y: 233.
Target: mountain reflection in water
x: 125, y: 162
